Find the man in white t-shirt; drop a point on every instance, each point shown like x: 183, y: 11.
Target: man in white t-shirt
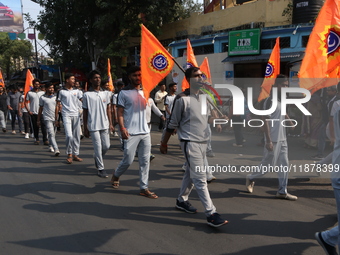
x: 276, y: 147
x: 135, y: 131
x: 68, y: 99
x: 97, y: 120
x: 47, y: 103
x: 32, y: 107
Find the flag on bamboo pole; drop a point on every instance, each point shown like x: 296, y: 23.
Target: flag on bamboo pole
x: 272, y: 70
x: 322, y: 54
x: 28, y: 82
x: 2, y: 82
x: 156, y: 62
x: 191, y: 62
x: 109, y: 76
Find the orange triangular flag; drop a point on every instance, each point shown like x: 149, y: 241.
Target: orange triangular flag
x: 28, y: 82
x: 205, y: 69
x: 156, y: 62
x: 322, y: 55
x: 272, y: 70
x: 109, y: 76
x: 2, y: 82
x: 191, y: 62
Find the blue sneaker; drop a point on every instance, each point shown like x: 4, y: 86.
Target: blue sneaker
x: 185, y: 206
x: 215, y: 220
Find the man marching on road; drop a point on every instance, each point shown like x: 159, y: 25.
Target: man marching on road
x: 276, y: 147
x: 68, y: 99
x: 47, y: 115
x: 32, y: 106
x: 192, y: 130
x: 135, y: 131
x: 97, y: 120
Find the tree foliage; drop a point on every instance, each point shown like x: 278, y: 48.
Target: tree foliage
x: 12, y: 52
x: 77, y: 30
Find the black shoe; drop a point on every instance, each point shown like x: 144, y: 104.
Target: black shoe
x: 185, y: 206
x: 215, y: 220
x: 4, y: 130
x: 81, y: 137
x: 330, y: 250
x: 152, y: 157
x: 102, y: 174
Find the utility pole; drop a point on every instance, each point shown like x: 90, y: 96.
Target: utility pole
x: 36, y: 55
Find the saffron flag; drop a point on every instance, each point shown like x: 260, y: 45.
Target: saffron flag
x: 156, y: 62
x: 28, y: 82
x: 2, y: 82
x: 191, y: 62
x: 109, y: 75
x: 272, y: 70
x: 322, y: 55
x: 205, y: 69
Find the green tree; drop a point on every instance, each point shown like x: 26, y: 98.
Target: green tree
x: 79, y: 31
x: 12, y: 53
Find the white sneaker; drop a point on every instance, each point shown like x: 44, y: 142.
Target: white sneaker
x: 57, y: 153
x: 249, y: 184
x: 27, y: 136
x: 286, y: 196
x: 13, y: 132
x: 32, y: 135
x: 115, y: 134
x: 51, y: 149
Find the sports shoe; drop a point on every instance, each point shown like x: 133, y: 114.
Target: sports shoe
x: 330, y: 250
x: 32, y: 135
x: 102, y: 174
x: 237, y: 145
x: 115, y: 134
x: 152, y: 157
x: 210, y: 154
x: 286, y: 196
x: 4, y: 130
x: 51, y: 149
x: 57, y: 153
x: 27, y: 136
x: 249, y: 184
x: 22, y: 132
x: 13, y: 132
x: 318, y: 157
x: 216, y: 221
x: 185, y: 206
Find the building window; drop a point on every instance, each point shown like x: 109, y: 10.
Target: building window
x: 198, y: 50
x: 305, y: 39
x: 225, y: 47
x: 270, y: 43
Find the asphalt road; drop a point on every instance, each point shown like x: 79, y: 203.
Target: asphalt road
x: 49, y: 207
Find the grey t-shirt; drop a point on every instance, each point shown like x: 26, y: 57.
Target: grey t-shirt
x: 187, y: 118
x: 34, y: 97
x: 134, y: 104
x: 169, y: 101
x: 70, y: 101
x: 48, y: 103
x: 13, y: 99
x: 96, y: 103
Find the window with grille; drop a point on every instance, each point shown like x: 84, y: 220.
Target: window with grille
x: 270, y: 43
